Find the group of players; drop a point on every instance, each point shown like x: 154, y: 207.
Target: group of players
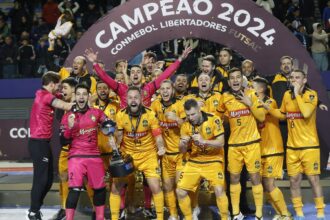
x: 178, y: 133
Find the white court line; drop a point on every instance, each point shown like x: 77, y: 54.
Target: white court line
x: 20, y: 214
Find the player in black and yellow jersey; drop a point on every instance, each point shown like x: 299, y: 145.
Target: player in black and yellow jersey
x: 224, y: 61
x: 218, y: 82
x: 272, y: 152
x: 207, y: 99
x: 303, y: 152
x: 206, y: 135
x: 78, y: 70
x: 170, y: 114
x: 242, y: 109
x: 68, y: 87
x: 110, y: 108
x: 181, y: 86
x: 248, y: 70
x: 138, y: 135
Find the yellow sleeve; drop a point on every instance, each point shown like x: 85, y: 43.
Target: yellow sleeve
x: 184, y: 130
x: 217, y: 127
x: 307, y: 103
x: 154, y: 123
x: 279, y: 113
x: 64, y: 73
x: 257, y: 108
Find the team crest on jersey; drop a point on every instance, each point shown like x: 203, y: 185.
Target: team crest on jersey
x: 93, y: 118
x: 145, y: 93
x: 112, y: 112
x: 257, y: 164
x: 311, y: 97
x: 145, y: 123
x: 215, y: 103
x: 270, y: 169
x: 220, y: 176
x: 316, y: 166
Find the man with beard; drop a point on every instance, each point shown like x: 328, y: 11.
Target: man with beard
x: 68, y: 87
x: 80, y: 125
x: 138, y: 135
x: 248, y: 70
x: 181, y: 86
x: 204, y: 132
x: 41, y: 120
x: 243, y: 109
x: 303, y: 147
x: 170, y: 114
x: 147, y: 90
x: 207, y: 99
x: 218, y: 82
x: 78, y: 70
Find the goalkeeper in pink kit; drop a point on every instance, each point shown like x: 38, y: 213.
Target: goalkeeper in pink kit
x: 79, y: 127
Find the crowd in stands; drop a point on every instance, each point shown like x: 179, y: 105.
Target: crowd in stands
x: 24, y: 32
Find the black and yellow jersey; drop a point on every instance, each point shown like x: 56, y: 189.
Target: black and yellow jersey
x: 170, y: 128
x: 242, y: 119
x: 300, y: 113
x: 89, y: 80
x: 209, y: 129
x: 138, y: 131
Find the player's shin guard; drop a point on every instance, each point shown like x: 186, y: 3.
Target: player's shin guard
x: 64, y: 188
x: 298, y: 205
x: 185, y: 207
x: 170, y: 200
x: 159, y: 205
x: 99, y: 201
x: 278, y: 199
x: 235, y: 192
x: 114, y: 206
x: 319, y: 205
x: 222, y: 203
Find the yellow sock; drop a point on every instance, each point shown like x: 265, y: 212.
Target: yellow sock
x: 170, y: 200
x: 270, y: 200
x: 278, y: 199
x: 298, y: 205
x: 319, y: 205
x: 258, y: 196
x: 235, y: 192
x: 194, y: 197
x: 185, y: 207
x: 222, y: 203
x: 114, y: 206
x: 64, y: 186
x: 159, y: 204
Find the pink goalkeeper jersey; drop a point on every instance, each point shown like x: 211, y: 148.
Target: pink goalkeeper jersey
x: 147, y: 89
x: 84, y: 132
x: 42, y: 115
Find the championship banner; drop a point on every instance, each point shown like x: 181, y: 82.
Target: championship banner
x: 241, y: 25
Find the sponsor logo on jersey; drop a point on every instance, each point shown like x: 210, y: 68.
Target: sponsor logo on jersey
x: 239, y: 113
x: 294, y: 115
x: 136, y: 134
x: 165, y: 124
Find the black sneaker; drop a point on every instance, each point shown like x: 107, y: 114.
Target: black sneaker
x: 94, y: 215
x: 149, y: 213
x: 60, y: 215
x: 34, y: 215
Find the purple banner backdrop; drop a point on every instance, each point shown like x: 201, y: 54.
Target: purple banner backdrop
x: 240, y: 25
x: 14, y: 136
